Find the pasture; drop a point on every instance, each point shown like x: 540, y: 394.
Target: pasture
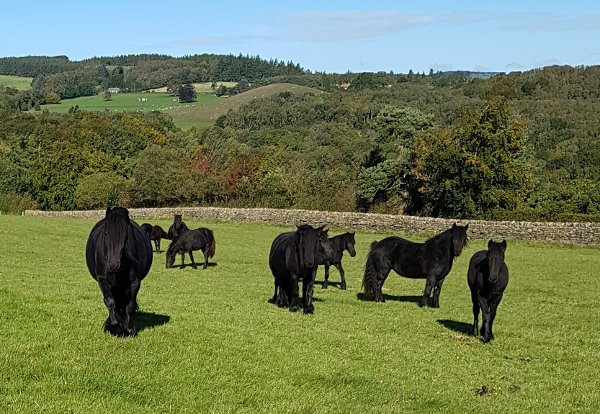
x: 18, y: 82
x: 128, y: 102
x: 210, y: 340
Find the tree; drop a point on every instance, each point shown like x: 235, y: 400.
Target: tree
x: 472, y: 168
x: 187, y: 93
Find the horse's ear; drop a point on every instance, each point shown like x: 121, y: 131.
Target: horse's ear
x: 353, y: 233
x: 454, y: 226
x: 467, y: 227
x: 108, y: 212
x: 504, y: 244
x: 490, y: 244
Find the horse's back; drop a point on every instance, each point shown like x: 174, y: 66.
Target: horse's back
x: 474, y: 272
x: 404, y: 256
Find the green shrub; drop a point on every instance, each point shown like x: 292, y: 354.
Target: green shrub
x: 97, y: 191
x: 13, y: 203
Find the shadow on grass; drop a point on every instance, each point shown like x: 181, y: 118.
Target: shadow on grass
x: 199, y: 264
x: 329, y: 284
x: 270, y: 300
x: 145, y: 320
x: 391, y: 298
x: 460, y: 327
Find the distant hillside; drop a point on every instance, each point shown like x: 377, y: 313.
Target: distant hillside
x: 201, y: 114
x: 19, y: 82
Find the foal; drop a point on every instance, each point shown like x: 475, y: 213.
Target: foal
x: 487, y: 278
x: 337, y: 244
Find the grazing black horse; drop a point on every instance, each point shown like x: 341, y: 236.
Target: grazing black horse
x: 431, y: 260
x: 156, y: 234
x: 176, y: 228
x: 199, y: 239
x: 487, y: 278
x: 337, y: 244
x: 119, y: 255
x: 293, y: 256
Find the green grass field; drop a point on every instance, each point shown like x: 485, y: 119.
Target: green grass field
x: 128, y: 102
x: 210, y: 341
x: 18, y: 82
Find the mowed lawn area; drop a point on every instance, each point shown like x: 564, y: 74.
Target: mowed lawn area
x: 210, y: 340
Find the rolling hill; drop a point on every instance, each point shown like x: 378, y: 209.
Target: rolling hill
x: 203, y: 115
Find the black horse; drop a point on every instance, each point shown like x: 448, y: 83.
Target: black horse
x: 176, y: 228
x: 156, y: 234
x: 337, y: 244
x: 188, y: 241
x: 487, y: 278
x: 431, y: 260
x: 147, y: 228
x: 119, y: 255
x: 293, y: 256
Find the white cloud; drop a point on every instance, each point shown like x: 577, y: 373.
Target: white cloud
x: 547, y: 62
x: 442, y: 67
x: 481, y: 68
x: 515, y: 66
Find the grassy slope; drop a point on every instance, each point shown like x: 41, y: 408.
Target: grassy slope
x: 211, y: 111
x: 18, y: 82
x: 211, y: 342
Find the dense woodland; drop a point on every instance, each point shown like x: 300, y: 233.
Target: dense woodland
x: 515, y: 146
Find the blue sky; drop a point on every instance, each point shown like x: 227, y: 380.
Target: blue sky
x: 332, y: 36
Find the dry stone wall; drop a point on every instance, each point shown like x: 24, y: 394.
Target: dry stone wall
x: 570, y: 233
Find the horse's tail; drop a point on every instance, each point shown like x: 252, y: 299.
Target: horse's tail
x: 370, y: 283
x: 211, y: 250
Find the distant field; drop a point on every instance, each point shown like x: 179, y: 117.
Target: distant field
x: 200, y: 87
x: 210, y: 341
x: 128, y: 102
x: 18, y: 82
x: 210, y: 111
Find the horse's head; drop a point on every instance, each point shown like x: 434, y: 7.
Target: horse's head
x: 311, y: 240
x: 349, y: 243
x: 116, y: 232
x: 171, y: 253
x: 495, y: 258
x: 459, y: 238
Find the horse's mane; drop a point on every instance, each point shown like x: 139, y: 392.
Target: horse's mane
x: 120, y: 216
x: 441, y: 242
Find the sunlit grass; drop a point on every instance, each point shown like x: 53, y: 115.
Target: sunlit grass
x: 210, y: 341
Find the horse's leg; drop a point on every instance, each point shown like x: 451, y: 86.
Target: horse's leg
x: 192, y: 259
x: 182, y: 260
x: 475, y: 300
x: 157, y: 246
x: 493, y: 307
x: 437, y: 288
x: 338, y: 266
x: 308, y: 286
x: 427, y: 292
x: 485, y: 313
x: 326, y: 275
x: 381, y: 281
x: 294, y: 299
x: 132, y: 308
x: 114, y: 323
x: 206, y: 249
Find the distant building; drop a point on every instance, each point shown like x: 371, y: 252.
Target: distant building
x: 114, y: 90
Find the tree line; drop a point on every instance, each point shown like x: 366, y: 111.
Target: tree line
x: 517, y: 146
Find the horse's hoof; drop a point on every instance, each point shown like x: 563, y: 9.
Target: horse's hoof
x: 324, y: 287
x: 435, y: 305
x: 309, y: 310
x: 195, y: 267
x: 131, y: 332
x: 343, y: 287
x: 293, y: 308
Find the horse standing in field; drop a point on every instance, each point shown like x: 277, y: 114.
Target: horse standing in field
x: 293, y: 256
x: 156, y: 234
x: 176, y: 228
x: 119, y: 255
x: 188, y: 241
x: 337, y: 244
x: 487, y: 278
x: 431, y: 260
